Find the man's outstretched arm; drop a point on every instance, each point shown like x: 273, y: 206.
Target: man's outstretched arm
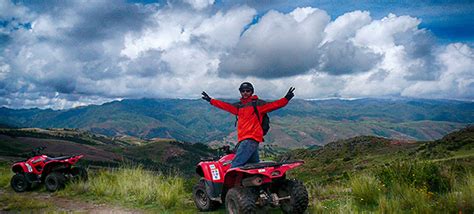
x: 220, y: 104
x: 268, y: 107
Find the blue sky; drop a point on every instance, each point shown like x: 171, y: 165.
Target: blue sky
x: 449, y: 20
x: 62, y: 54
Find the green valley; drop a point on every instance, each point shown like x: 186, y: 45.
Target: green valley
x: 301, y: 124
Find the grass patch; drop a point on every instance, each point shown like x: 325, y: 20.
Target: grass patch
x: 18, y: 203
x: 423, y: 175
x: 5, y: 175
x: 461, y: 199
x: 413, y: 188
x: 366, y: 190
x: 403, y: 197
x: 133, y: 187
x: 341, y: 205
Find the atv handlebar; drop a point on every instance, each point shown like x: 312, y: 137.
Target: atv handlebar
x: 39, y: 149
x: 225, y: 149
x: 36, y: 151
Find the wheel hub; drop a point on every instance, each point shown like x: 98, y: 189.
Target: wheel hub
x: 20, y: 184
x: 51, y: 182
x: 202, y: 198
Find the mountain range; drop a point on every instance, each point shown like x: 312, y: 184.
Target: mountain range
x: 302, y: 123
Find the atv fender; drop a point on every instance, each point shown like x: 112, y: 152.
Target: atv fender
x: 21, y: 167
x: 266, y: 170
x: 210, y: 171
x: 54, y: 166
x: 213, y: 176
x: 213, y: 189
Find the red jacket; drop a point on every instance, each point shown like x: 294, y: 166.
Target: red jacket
x: 248, y: 125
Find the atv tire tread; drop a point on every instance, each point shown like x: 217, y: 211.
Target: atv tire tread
x: 299, y: 197
x: 58, y: 178
x: 211, y: 205
x: 80, y: 173
x: 245, y: 200
x: 19, y: 177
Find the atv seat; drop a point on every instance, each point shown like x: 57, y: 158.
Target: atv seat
x: 209, y: 159
x: 264, y: 164
x: 58, y: 158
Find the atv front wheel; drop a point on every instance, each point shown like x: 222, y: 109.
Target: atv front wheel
x: 298, y: 201
x: 79, y: 173
x: 201, y: 199
x: 54, y: 181
x: 240, y: 200
x: 19, y: 183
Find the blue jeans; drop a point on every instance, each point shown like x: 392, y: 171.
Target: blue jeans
x: 247, y: 152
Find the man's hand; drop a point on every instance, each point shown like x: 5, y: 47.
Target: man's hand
x: 206, y: 97
x: 290, y: 94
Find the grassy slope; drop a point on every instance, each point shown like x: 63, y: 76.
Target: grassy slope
x: 168, y: 156
x: 364, y: 174
x: 135, y: 187
x: 336, y: 159
x: 389, y: 176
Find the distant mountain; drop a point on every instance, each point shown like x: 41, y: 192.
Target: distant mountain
x: 300, y: 124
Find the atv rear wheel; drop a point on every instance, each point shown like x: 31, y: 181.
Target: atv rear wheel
x: 54, y: 181
x: 79, y: 173
x: 201, y: 199
x: 20, y: 183
x: 298, y: 201
x: 240, y: 200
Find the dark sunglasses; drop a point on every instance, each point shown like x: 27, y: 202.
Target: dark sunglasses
x: 245, y: 91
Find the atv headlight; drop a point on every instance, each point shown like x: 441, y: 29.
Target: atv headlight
x: 30, y: 169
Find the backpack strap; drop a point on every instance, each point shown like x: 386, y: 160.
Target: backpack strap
x: 254, y: 104
x: 237, y: 105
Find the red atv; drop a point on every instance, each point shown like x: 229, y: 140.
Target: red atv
x: 248, y: 188
x: 52, y: 171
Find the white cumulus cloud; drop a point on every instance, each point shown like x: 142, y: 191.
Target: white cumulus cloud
x: 91, y: 52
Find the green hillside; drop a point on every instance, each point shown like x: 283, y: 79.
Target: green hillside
x: 300, y: 124
x: 362, y: 174
x: 158, y: 155
x: 336, y: 160
x: 373, y: 174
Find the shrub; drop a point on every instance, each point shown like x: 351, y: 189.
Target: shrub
x: 388, y: 205
x: 416, y: 200
x: 461, y: 199
x: 366, y: 190
x: 414, y: 174
x: 406, y: 198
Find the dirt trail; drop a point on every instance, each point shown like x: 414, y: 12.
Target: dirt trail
x: 56, y: 203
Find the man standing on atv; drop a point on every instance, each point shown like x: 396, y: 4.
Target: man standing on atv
x: 250, y: 111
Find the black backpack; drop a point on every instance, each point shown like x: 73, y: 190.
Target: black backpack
x: 264, y: 122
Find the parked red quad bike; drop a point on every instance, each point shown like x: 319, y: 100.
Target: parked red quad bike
x: 54, y: 172
x: 248, y: 188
